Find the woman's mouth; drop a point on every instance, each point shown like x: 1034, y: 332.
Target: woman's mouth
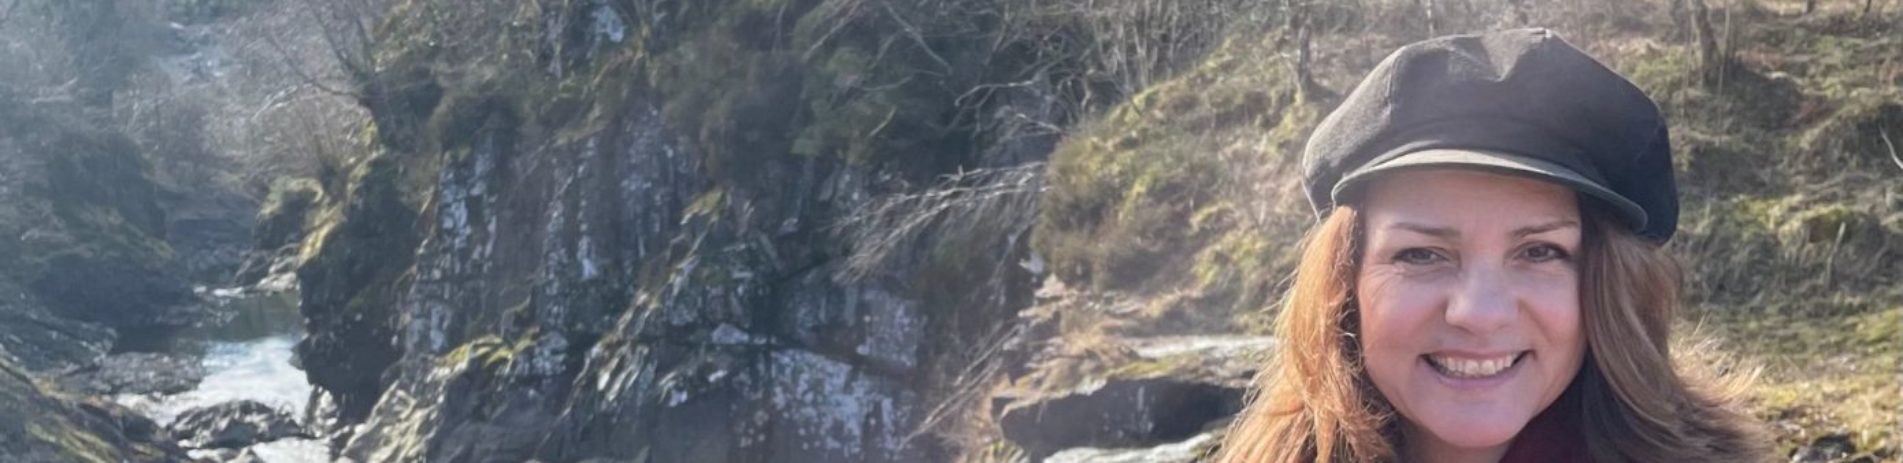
x: 1473, y: 367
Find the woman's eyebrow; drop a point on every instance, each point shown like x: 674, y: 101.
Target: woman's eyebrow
x: 1430, y: 230
x: 1523, y: 232
x: 1450, y: 232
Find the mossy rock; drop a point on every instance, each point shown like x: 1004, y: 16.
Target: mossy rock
x: 487, y: 353
x: 40, y: 423
x: 360, y: 244
x: 281, y: 218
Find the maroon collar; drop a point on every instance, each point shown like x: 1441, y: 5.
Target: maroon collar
x: 1553, y: 436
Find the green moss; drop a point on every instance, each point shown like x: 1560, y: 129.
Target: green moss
x: 1796, y: 220
x: 1822, y: 225
x: 1146, y: 196
x: 286, y: 209
x: 73, y: 443
x: 488, y: 353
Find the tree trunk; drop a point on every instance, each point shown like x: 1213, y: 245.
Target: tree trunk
x: 1427, y: 10
x: 1711, y: 59
x: 1298, y: 35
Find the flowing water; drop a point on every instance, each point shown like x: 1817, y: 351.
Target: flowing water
x: 246, y: 351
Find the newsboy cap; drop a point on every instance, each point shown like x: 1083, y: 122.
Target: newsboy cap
x: 1519, y: 102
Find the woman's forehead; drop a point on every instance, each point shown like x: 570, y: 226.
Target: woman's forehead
x: 1457, y: 199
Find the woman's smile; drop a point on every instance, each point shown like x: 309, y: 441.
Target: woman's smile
x: 1458, y: 368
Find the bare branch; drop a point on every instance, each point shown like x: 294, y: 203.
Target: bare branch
x: 981, y: 205
x: 353, y: 57
x: 912, y: 31
x: 285, y: 56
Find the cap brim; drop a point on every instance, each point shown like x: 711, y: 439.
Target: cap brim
x: 1494, y: 161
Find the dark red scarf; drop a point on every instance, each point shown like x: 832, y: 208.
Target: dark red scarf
x: 1552, y: 437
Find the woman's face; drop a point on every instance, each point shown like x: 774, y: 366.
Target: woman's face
x: 1469, y: 299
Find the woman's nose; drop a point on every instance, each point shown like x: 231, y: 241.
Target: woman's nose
x: 1483, y: 302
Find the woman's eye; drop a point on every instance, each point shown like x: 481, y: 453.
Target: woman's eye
x: 1544, y: 252
x: 1417, y: 256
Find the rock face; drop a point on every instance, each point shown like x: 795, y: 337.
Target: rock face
x: 41, y: 341
x: 136, y: 373
x: 551, y: 266
x: 41, y: 424
x: 270, y: 264
x: 84, y: 246
x: 233, y: 425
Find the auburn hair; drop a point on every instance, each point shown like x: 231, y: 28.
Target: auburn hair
x: 1314, y: 402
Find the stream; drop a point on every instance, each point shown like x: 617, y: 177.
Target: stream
x: 245, y: 348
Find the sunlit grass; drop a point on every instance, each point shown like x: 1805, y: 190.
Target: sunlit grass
x: 1820, y: 375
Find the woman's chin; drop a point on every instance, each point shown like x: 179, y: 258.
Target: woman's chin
x: 1471, y: 431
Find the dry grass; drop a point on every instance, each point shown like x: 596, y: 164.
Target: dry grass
x: 1818, y: 376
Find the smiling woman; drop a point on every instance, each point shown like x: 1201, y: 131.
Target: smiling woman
x: 1487, y: 282
x: 1469, y: 304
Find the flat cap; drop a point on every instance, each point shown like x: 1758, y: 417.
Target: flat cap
x: 1519, y: 102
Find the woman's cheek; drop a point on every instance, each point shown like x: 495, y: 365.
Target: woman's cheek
x: 1394, y: 304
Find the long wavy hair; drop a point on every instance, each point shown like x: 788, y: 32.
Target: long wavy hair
x: 1314, y: 402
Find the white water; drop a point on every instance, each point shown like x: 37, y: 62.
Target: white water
x: 257, y: 368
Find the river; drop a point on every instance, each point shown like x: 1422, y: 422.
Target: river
x: 245, y: 348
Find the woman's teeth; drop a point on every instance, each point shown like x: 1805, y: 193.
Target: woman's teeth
x: 1470, y: 367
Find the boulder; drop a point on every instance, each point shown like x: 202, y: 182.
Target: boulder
x: 1120, y: 413
x: 1171, y: 390
x: 1185, y: 451
x: 136, y: 373
x: 233, y: 424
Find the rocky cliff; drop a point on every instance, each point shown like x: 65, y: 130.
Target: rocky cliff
x: 85, y: 261
x: 78, y: 202
x: 627, y: 234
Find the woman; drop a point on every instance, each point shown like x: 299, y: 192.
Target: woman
x: 1487, y: 282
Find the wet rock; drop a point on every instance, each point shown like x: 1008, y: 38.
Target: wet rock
x: 233, y: 424
x: 1186, y: 451
x: 136, y: 373
x: 40, y: 341
x: 244, y: 455
x: 248, y: 456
